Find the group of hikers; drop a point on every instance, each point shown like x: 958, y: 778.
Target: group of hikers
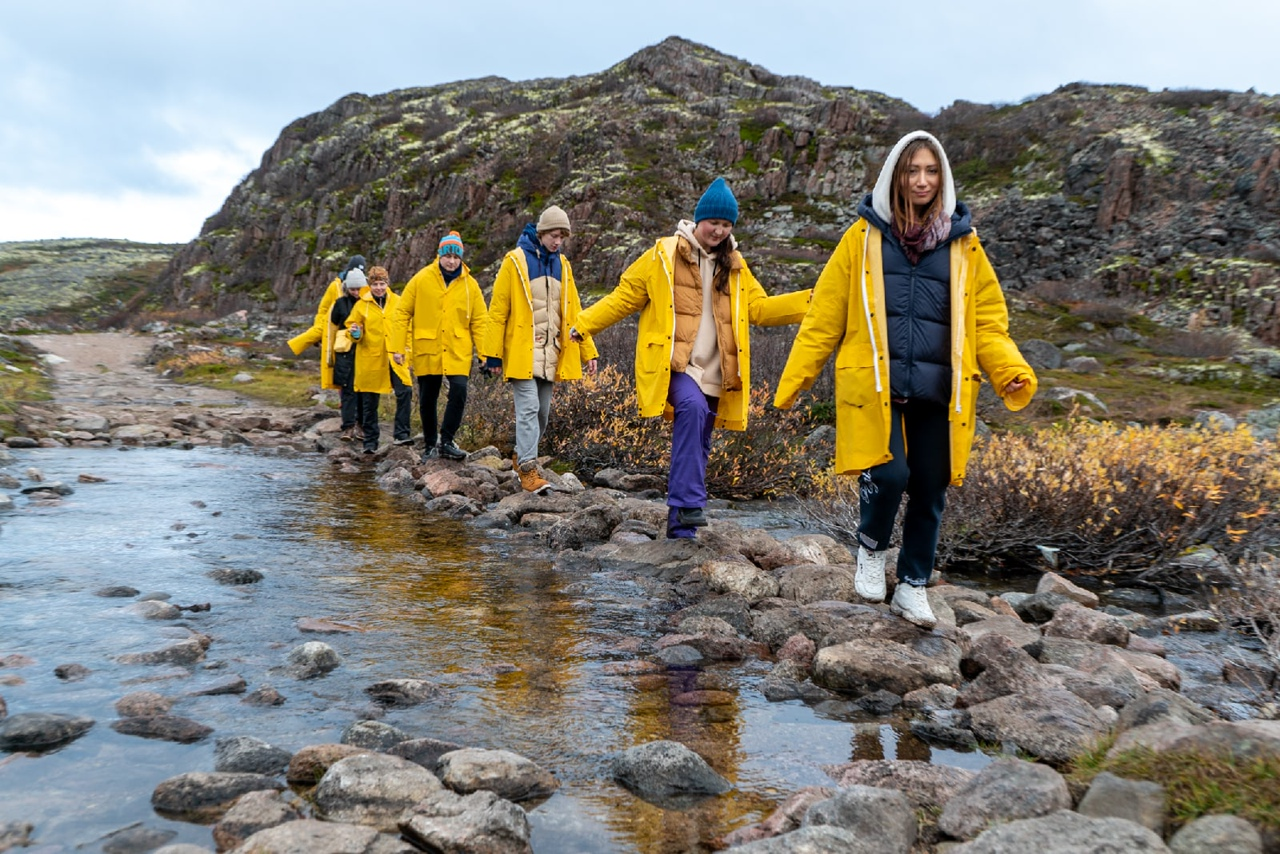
x: 908, y: 303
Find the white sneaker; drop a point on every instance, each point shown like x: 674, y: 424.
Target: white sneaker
x: 911, y: 603
x: 868, y: 581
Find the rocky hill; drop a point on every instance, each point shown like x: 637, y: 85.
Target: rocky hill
x: 79, y: 282
x: 1169, y: 199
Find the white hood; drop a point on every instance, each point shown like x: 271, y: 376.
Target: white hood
x: 880, y: 195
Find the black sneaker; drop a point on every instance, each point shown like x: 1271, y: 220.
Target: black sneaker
x: 450, y: 451
x: 691, y: 517
x: 405, y: 441
x: 433, y: 453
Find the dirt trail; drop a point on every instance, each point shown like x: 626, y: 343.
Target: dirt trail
x: 104, y: 373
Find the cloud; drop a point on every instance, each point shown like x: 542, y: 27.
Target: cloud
x: 37, y: 214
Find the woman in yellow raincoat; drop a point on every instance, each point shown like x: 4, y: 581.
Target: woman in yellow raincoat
x: 373, y: 372
x: 697, y: 300
x: 912, y: 309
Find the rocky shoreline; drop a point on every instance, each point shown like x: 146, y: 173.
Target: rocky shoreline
x: 1039, y: 678
x: 1042, y: 675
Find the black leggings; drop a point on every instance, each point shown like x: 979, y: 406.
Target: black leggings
x: 428, y: 394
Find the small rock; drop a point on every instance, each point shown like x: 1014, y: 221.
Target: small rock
x: 478, y: 822
x: 203, y: 795
x: 1217, y: 834
x: 164, y: 728
x: 662, y: 770
x: 251, y: 755
x: 373, y: 735
x: 1139, y: 801
x: 252, y: 812
x: 312, y: 659
x: 502, y: 772
x: 41, y: 730
x: 71, y: 672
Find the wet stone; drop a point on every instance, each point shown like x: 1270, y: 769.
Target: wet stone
x: 372, y: 789
x: 312, y: 659
x: 401, y: 693
x: 203, y: 795
x: 661, y: 771
x: 227, y: 685
x: 310, y: 763
x: 164, y: 728
x: 373, y: 735
x: 424, y: 751
x: 680, y: 656
x: 251, y: 813
x: 480, y: 822
x: 116, y: 592
x: 250, y: 755
x: 143, y: 704
x: 71, y: 672
x: 189, y: 651
x: 137, y: 839
x: 506, y: 774
x: 41, y: 730
x: 264, y: 696
x: 235, y: 576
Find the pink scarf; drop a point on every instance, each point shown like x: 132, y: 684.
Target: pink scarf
x: 919, y: 240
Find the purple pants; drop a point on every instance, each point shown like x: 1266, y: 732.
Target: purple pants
x: 695, y: 416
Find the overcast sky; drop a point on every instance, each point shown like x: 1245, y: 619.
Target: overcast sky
x: 135, y: 118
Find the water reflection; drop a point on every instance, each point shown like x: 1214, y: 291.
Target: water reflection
x: 533, y: 656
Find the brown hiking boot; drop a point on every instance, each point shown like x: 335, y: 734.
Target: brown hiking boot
x: 529, y: 477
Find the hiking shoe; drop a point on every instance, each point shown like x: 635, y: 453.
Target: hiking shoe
x: 432, y: 453
x: 911, y: 603
x: 529, y: 477
x: 691, y: 517
x: 868, y: 581
x: 358, y: 432
x: 405, y: 441
x: 450, y: 451
x: 371, y: 450
x: 348, y: 434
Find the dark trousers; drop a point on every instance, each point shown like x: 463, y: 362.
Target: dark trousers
x: 428, y: 394
x: 368, y: 404
x: 404, y: 406
x: 920, y: 442
x: 350, y: 408
x: 695, y: 417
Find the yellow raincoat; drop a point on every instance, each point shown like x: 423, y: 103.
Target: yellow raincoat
x: 847, y: 317
x: 509, y: 332
x: 446, y: 321
x: 373, y: 350
x: 647, y: 286
x: 321, y: 332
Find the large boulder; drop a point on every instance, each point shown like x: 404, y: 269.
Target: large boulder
x: 502, y: 772
x: 1054, y: 724
x: 41, y: 730
x: 861, y: 667
x: 1065, y: 832
x: 373, y: 789
x: 662, y: 771
x: 1005, y: 790
x: 200, y: 795
x: 480, y: 822
x: 881, y: 820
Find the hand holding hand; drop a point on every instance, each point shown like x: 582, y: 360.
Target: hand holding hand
x: 577, y: 336
x: 398, y: 358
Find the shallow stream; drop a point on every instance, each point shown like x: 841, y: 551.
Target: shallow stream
x: 529, y: 655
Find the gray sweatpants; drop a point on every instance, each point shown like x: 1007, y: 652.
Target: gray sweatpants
x: 533, y: 406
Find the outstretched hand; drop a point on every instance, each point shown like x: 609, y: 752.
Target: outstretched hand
x: 1015, y: 385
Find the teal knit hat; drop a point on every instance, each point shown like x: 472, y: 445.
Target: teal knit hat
x: 717, y: 203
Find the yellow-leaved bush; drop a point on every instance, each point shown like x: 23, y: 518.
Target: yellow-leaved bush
x: 1114, y: 497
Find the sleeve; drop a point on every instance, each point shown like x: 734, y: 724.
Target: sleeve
x: 629, y: 296
x: 499, y: 308
x: 780, y: 310
x: 998, y: 356
x: 399, y: 339
x: 479, y: 315
x: 823, y: 326
x: 331, y: 295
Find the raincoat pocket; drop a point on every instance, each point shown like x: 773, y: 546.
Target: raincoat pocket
x: 426, y: 342
x: 856, y: 376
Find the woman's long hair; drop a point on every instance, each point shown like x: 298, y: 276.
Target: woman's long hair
x: 723, y: 254
x: 904, y: 212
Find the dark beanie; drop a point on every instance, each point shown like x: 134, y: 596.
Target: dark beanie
x: 717, y: 203
x: 356, y: 263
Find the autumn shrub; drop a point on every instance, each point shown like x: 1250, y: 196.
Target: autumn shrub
x: 1196, y: 344
x: 1114, y: 498
x: 1100, y: 497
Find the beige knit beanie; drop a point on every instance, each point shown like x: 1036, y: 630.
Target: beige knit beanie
x: 552, y: 218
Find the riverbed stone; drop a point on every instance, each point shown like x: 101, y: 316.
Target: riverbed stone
x: 184, y: 652
x: 507, y: 774
x: 1006, y: 669
x: 882, y: 820
x: 1111, y: 684
x: 1006, y: 790
x: 264, y: 695
x: 1014, y: 628
x: 787, y: 817
x: 203, y: 795
x: 311, y: 836
x: 813, y: 582
x: 1162, y: 705
x: 584, y: 527
x: 1217, y: 834
x: 1072, y: 620
x: 182, y: 848
x: 41, y: 730
x: 1065, y: 832
x: 248, y: 754
x: 251, y: 813
x: 480, y: 822
x: 235, y: 577
x: 15, y: 834
x: 233, y: 684
x: 308, y: 765
x: 662, y: 770
x: 1139, y: 801
x: 143, y: 704
x: 163, y: 728
x: 1053, y: 724
x: 135, y: 839
x: 116, y: 591
x: 739, y: 577
x: 1051, y: 582
x: 374, y: 735
x: 1040, y: 607
x: 373, y: 789
x: 822, y: 839
x: 153, y: 610
x: 71, y: 672
x: 424, y: 751
x: 860, y: 667
x: 312, y: 659
x: 402, y: 693
x: 925, y: 785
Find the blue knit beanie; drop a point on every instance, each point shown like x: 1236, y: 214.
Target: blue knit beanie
x: 717, y: 203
